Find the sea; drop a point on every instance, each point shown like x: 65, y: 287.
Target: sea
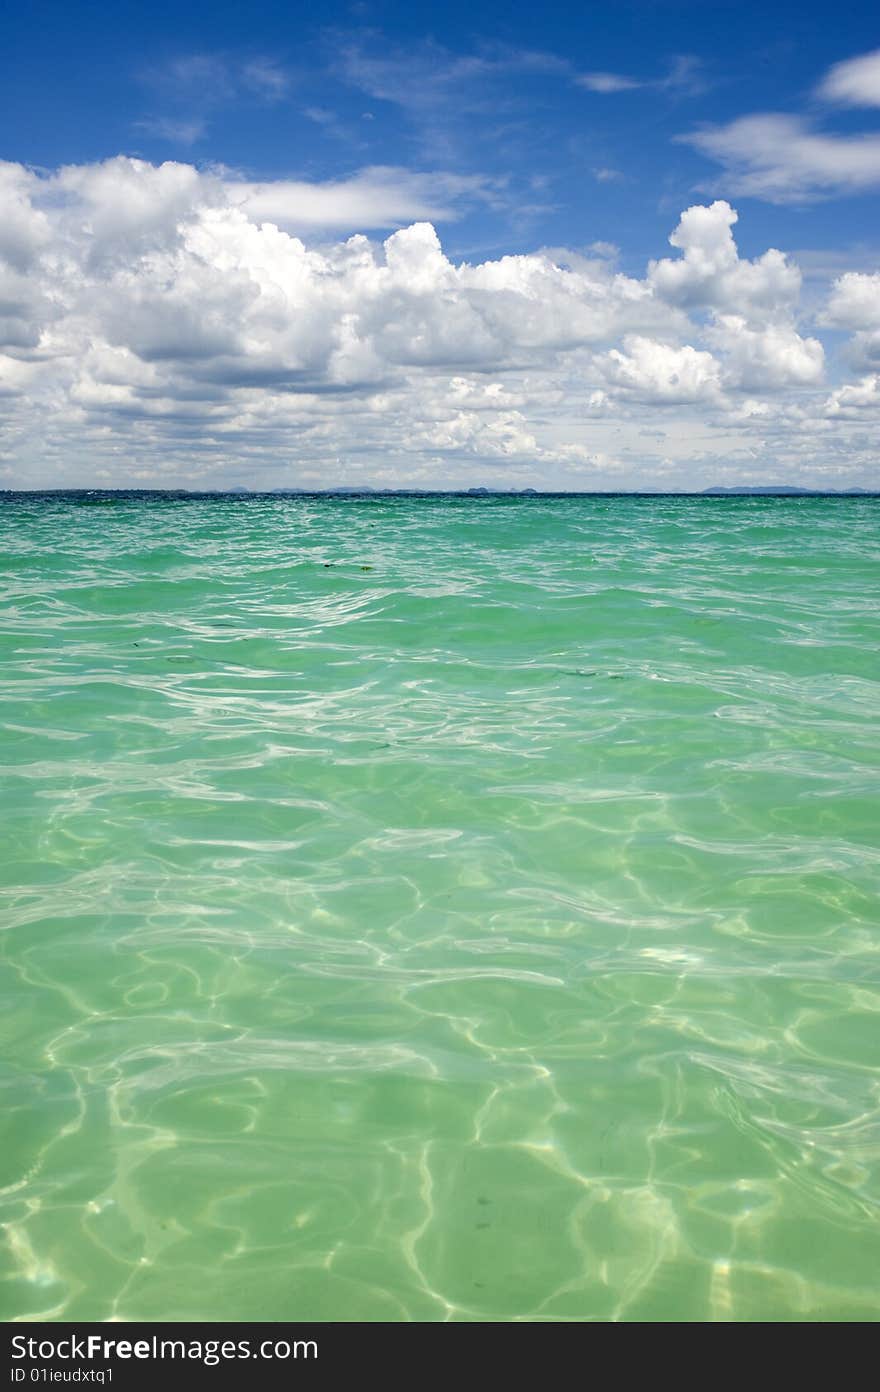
x: 440, y: 908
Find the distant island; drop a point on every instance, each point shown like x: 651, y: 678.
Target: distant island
x: 785, y: 490
x: 769, y: 490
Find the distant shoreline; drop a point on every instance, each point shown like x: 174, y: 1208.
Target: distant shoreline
x: 243, y: 494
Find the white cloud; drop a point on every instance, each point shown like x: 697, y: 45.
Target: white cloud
x: 121, y: 208
x: 649, y: 371
x: 213, y: 78
x: 683, y: 78
x: 855, y: 82
x: 711, y: 273
x: 426, y: 79
x: 854, y: 302
x: 855, y: 397
x: 159, y: 323
x: 376, y: 197
x: 751, y: 304
x: 191, y: 88
x: 265, y: 77
x: 768, y: 358
x: 24, y: 229
x: 780, y: 158
x: 606, y: 82
x: 181, y: 131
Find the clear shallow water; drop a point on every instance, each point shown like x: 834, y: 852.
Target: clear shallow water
x: 440, y: 909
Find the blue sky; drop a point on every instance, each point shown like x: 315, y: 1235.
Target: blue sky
x: 485, y: 90
x: 564, y: 132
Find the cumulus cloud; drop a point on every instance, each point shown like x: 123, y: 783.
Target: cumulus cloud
x: 165, y: 323
x: 855, y: 302
x: 855, y: 398
x: 768, y: 358
x: 751, y: 304
x: 656, y: 372
x: 24, y: 229
x: 711, y: 273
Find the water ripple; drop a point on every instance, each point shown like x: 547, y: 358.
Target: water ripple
x: 440, y: 908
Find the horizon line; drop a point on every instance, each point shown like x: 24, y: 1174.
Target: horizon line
x: 367, y: 490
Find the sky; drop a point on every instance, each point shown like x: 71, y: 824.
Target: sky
x: 628, y: 246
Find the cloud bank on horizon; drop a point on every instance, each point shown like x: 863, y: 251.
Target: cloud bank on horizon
x: 164, y: 323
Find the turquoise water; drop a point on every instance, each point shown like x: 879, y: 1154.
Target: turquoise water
x: 443, y: 908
